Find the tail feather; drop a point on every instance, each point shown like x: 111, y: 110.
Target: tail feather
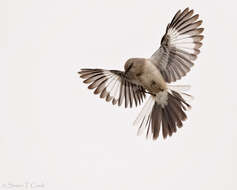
x: 169, y: 114
x: 143, y: 119
x: 156, y: 118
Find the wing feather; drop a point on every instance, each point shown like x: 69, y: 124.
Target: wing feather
x: 112, y: 85
x: 179, y: 46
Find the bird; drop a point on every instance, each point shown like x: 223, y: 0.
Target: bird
x: 165, y: 109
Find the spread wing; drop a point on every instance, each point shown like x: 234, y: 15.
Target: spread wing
x: 113, y: 86
x: 179, y: 46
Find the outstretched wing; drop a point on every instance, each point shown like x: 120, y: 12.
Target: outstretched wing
x: 113, y: 85
x: 179, y: 46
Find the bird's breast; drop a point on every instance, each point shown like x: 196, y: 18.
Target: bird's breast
x: 151, y: 78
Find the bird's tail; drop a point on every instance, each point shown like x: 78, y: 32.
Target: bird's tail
x: 166, y: 109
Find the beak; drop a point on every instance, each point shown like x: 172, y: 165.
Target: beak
x: 128, y: 69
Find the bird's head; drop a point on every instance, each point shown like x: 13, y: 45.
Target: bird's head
x: 133, y: 66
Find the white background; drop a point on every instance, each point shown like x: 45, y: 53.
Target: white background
x: 55, y: 132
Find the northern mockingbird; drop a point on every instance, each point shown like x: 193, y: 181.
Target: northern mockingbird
x: 166, y: 105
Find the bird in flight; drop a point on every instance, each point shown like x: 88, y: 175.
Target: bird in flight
x: 166, y: 105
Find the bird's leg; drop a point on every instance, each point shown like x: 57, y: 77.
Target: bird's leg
x: 149, y: 93
x: 139, y: 90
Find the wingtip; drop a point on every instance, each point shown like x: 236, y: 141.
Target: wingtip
x: 186, y: 9
x: 201, y: 30
x: 81, y: 71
